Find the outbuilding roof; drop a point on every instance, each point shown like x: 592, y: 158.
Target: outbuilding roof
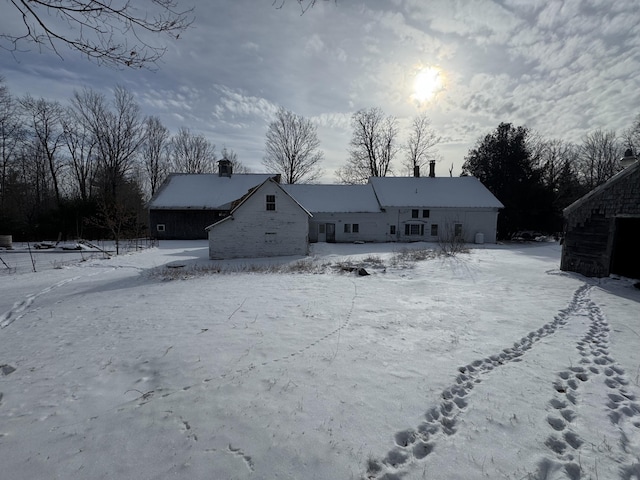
x: 254, y: 191
x: 601, y: 188
x: 204, y: 191
x: 335, y: 198
x: 455, y: 192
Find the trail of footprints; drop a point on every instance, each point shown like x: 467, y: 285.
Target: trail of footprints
x: 595, y: 362
x: 415, y: 445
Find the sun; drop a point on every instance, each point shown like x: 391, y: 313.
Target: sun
x: 428, y: 83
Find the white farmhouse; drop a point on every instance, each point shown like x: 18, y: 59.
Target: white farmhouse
x: 432, y: 208
x: 252, y: 215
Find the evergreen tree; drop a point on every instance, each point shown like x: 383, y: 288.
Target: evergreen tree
x: 502, y: 161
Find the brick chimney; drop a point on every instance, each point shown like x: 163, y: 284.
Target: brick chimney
x: 416, y: 171
x: 432, y: 168
x: 225, y: 168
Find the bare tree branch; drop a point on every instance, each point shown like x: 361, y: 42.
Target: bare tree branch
x: 110, y: 32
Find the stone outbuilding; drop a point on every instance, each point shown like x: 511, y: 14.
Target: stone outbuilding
x: 602, y: 229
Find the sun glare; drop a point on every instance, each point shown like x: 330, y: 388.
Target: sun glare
x: 428, y: 83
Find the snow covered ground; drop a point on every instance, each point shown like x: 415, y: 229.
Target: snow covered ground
x: 490, y: 364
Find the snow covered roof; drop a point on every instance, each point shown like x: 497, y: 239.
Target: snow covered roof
x: 254, y: 191
x: 334, y: 198
x: 204, y: 190
x: 465, y: 192
x: 600, y: 188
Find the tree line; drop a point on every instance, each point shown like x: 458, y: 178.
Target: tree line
x: 536, y: 178
x: 85, y: 169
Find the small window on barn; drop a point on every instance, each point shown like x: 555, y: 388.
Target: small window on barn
x: 347, y: 228
x: 457, y: 230
x: 355, y: 228
x: 160, y: 227
x: 321, y: 228
x: 434, y: 229
x: 425, y: 213
x: 271, y: 202
x: 392, y: 229
x: 414, y: 213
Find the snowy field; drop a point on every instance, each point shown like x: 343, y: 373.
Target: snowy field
x: 492, y: 364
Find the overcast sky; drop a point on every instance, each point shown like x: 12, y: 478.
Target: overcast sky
x: 562, y: 68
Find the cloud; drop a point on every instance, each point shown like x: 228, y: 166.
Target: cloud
x: 236, y: 104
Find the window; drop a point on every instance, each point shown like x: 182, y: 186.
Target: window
x: 271, y: 202
x: 351, y: 227
x: 321, y: 228
x: 160, y: 227
x: 413, y: 229
x: 425, y: 213
x: 414, y: 213
x: 347, y: 228
x: 434, y: 229
x: 392, y: 229
x: 457, y: 230
x: 355, y: 228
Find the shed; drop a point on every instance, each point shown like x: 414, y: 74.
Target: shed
x: 601, y: 232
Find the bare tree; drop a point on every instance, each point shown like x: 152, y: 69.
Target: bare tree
x: 118, y: 131
x: 155, y: 152
x: 237, y: 165
x: 108, y: 32
x: 631, y: 136
x: 81, y: 145
x: 420, y: 145
x: 373, y: 146
x: 600, y: 154
x: 552, y: 158
x: 291, y: 148
x: 11, y: 135
x: 192, y: 153
x: 45, y: 127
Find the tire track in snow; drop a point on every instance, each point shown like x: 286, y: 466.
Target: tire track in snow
x: 596, y: 363
x: 414, y: 445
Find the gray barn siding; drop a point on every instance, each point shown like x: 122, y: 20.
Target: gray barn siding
x: 183, y: 224
x: 590, y: 224
x: 254, y: 232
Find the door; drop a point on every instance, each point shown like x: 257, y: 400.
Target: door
x: 625, y: 258
x: 331, y: 232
